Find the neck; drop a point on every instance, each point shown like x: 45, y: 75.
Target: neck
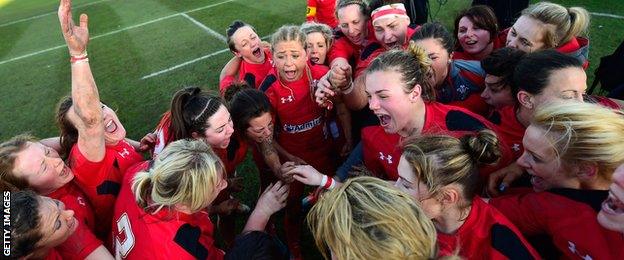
x: 598, y: 184
x: 415, y: 126
x: 252, y: 62
x: 485, y: 52
x: 524, y: 115
x: 451, y: 220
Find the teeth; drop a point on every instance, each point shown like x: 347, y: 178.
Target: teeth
x: 109, y: 123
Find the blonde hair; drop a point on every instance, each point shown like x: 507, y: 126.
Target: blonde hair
x: 583, y: 132
x: 561, y: 23
x: 366, y: 218
x: 324, y: 29
x: 414, y: 65
x: 441, y: 160
x: 185, y: 173
x: 288, y: 33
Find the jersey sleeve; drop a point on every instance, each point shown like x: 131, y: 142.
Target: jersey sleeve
x: 87, y: 172
x: 80, y: 244
x: 340, y: 49
x: 311, y: 11
x: 223, y: 84
x: 523, y: 211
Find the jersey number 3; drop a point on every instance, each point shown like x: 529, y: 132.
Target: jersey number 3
x: 124, y: 239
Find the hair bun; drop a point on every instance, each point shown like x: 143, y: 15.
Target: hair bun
x: 483, y: 147
x: 232, y: 89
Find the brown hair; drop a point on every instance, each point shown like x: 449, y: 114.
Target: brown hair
x: 25, y: 223
x: 8, y: 154
x: 68, y: 133
x: 481, y: 16
x: 190, y: 109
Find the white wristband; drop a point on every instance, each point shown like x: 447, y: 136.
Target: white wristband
x: 349, y: 89
x: 323, y: 181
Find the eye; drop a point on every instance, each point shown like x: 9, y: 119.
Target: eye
x: 279, y: 57
x: 344, y: 25
x: 295, y: 56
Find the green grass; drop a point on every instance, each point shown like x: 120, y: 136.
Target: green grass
x: 30, y: 87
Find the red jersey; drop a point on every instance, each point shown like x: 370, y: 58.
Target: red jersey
x: 100, y: 181
x: 568, y: 218
x: 344, y: 48
x: 233, y: 155
x: 53, y: 255
x: 498, y: 42
x: 251, y: 73
x: 375, y: 48
x: 382, y: 150
x: 486, y: 234
x: 82, y: 242
x: 300, y: 121
x: 511, y: 130
x: 167, y: 234
x: 322, y: 11
x: 463, y: 86
x: 600, y: 100
x: 163, y: 134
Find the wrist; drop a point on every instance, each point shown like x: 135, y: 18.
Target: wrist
x: 79, y: 58
x: 348, y: 89
x: 327, y: 183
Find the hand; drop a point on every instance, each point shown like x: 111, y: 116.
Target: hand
x: 340, y: 76
x: 76, y: 37
x: 235, y: 184
x: 273, y: 198
x: 283, y: 172
x: 306, y: 174
x: 297, y: 160
x: 226, y: 207
x: 324, y: 91
x: 499, y: 180
x: 147, y: 142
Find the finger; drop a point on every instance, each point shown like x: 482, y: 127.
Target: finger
x: 84, y: 21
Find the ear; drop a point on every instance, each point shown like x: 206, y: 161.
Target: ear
x: 449, y: 195
x: 587, y: 171
x: 415, y: 93
x: 525, y: 99
x: 195, y: 135
x: 237, y: 54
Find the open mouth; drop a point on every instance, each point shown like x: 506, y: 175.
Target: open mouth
x: 314, y: 60
x: 393, y: 44
x: 470, y: 42
x: 612, y: 205
x: 290, y: 74
x: 538, y: 182
x: 111, y: 126
x: 257, y: 52
x: 384, y: 120
x: 65, y: 171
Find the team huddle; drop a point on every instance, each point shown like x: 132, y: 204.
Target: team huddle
x: 418, y: 142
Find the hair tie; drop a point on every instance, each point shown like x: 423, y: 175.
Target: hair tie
x: 203, y: 110
x: 391, y: 10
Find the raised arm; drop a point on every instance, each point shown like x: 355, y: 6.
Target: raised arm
x: 86, y: 111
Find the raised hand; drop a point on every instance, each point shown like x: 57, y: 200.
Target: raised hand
x: 76, y: 37
x: 273, y: 198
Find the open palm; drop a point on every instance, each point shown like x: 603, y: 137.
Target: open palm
x: 76, y: 37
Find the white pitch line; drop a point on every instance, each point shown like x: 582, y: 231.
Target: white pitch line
x: 46, y: 14
x: 116, y: 31
x: 185, y: 63
x: 206, y: 28
x: 607, y: 15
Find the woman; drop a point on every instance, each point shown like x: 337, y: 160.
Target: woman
x: 251, y: 61
x: 91, y: 134
x: 26, y: 163
x: 499, y: 68
x: 457, y: 82
x: 161, y: 211
x: 318, y: 42
x: 547, y: 25
x: 355, y: 33
x: 476, y: 33
x: 366, y: 218
x: 570, y: 151
x: 611, y: 215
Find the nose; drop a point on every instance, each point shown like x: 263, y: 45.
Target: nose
x: 373, y: 103
x: 512, y: 43
x: 351, y: 29
x: 267, y: 132
x: 522, y: 161
x: 68, y: 214
x: 485, y: 94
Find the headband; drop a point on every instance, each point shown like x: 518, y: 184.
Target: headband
x: 391, y: 10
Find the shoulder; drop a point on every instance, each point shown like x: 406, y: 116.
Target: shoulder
x: 268, y: 81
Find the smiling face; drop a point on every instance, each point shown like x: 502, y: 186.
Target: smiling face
x: 219, y: 130
x: 352, y: 23
x: 56, y: 223
x: 114, y: 131
x: 396, y: 109
x: 42, y: 168
x: 290, y: 60
x: 260, y: 128
x: 247, y: 45
x: 541, y: 162
x: 391, y: 32
x: 527, y: 35
x: 316, y: 47
x: 611, y: 215
x: 473, y: 40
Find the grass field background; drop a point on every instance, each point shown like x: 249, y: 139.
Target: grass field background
x: 142, y: 51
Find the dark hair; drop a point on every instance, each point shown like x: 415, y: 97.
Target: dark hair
x: 232, y: 28
x: 532, y: 73
x: 374, y: 4
x: 502, y: 63
x: 8, y: 154
x: 190, y: 109
x: 256, y: 245
x: 25, y: 223
x: 413, y: 64
x: 436, y: 31
x: 245, y: 103
x: 362, y: 4
x: 481, y: 16
x: 68, y: 132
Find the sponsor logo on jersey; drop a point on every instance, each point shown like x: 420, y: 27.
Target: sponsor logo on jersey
x: 302, y: 127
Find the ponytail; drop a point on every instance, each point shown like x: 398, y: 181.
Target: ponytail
x: 190, y: 109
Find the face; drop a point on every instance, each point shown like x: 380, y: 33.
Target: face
x: 220, y: 129
x: 57, y: 223
x: 391, y: 32
x: 352, y: 23
x: 316, y: 47
x: 388, y: 100
x: 527, y: 35
x: 497, y: 94
x: 261, y: 128
x: 564, y: 84
x: 440, y: 57
x: 540, y: 161
x: 247, y: 45
x: 408, y: 183
x: 473, y: 39
x: 114, y: 131
x: 611, y: 216
x: 42, y: 167
x: 290, y: 60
